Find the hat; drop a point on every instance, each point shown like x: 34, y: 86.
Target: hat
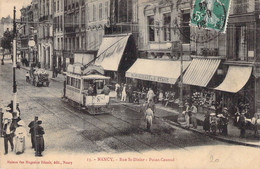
x: 225, y: 108
x: 212, y: 114
x: 21, y: 123
x: 220, y: 115
x: 39, y: 122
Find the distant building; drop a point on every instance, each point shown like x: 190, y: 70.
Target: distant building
x: 5, y: 23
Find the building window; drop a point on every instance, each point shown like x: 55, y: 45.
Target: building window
x: 83, y: 18
x: 61, y: 42
x: 100, y: 12
x: 94, y: 12
x: 186, y: 28
x: 77, y: 43
x: 151, y: 34
x: 106, y: 10
x: 167, y: 27
x: 61, y: 24
x: 58, y: 5
x: 54, y: 7
x: 58, y: 44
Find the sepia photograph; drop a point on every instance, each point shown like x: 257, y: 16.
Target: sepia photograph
x: 88, y: 84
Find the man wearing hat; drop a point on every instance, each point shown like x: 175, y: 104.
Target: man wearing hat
x: 39, y: 132
x: 8, y: 132
x: 225, y: 121
x: 31, y: 131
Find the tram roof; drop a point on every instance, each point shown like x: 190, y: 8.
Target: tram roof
x: 95, y: 77
x: 91, y: 76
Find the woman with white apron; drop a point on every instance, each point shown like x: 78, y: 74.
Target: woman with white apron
x: 20, y: 134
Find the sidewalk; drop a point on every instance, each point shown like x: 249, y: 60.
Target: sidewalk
x: 59, y: 78
x: 170, y: 115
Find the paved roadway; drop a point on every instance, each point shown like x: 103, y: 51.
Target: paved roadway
x: 69, y: 130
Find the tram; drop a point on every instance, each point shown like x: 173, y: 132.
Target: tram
x: 87, y: 88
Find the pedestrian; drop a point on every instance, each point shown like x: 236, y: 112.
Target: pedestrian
x: 242, y: 124
x: 106, y: 90
x: 225, y: 122
x: 20, y: 134
x: 10, y: 105
x: 150, y: 94
x: 194, y: 110
x: 206, y: 123
x: 39, y: 138
x: 213, y: 123
x: 117, y: 90
x: 31, y: 131
x: 8, y: 134
x: 149, y: 113
x: 124, y: 95
x: 130, y: 93
x: 27, y: 75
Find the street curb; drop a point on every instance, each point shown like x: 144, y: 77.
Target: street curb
x: 211, y: 136
x: 199, y: 132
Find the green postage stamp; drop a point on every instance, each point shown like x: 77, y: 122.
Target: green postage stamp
x: 211, y: 14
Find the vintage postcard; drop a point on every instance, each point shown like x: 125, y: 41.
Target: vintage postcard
x: 129, y: 84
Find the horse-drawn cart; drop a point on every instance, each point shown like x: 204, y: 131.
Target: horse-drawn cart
x: 39, y: 77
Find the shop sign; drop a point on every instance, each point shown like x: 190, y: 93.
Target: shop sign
x: 152, y: 78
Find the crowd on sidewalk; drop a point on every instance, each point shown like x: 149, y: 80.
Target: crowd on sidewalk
x: 13, y: 131
x: 215, y: 123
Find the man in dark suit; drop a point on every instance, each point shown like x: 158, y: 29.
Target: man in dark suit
x: 31, y: 131
x: 39, y: 132
x: 8, y: 134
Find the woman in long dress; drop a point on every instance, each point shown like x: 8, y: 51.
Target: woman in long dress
x: 20, y: 134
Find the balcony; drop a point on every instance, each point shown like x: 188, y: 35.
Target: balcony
x: 121, y: 28
x: 45, y: 18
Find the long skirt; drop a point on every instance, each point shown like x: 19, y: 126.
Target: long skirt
x: 20, y: 144
x: 149, y: 121
x: 39, y: 144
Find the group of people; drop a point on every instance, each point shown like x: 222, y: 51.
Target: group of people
x: 14, y: 132
x: 125, y: 92
x: 213, y: 122
x: 188, y: 118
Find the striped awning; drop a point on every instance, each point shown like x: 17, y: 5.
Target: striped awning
x: 200, y: 72
x: 236, y: 79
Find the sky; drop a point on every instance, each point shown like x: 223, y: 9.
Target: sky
x: 7, y: 6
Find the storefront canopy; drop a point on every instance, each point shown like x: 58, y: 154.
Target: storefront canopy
x: 163, y: 71
x: 111, y: 51
x: 200, y: 72
x: 236, y: 79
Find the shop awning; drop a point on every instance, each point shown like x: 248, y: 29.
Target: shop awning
x: 236, y: 79
x: 163, y: 71
x: 200, y: 72
x: 111, y: 51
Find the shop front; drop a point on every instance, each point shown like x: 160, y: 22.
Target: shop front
x: 160, y: 75
x: 237, y: 91
x: 116, y: 55
x: 201, y: 76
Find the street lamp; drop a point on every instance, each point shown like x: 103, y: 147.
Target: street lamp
x: 14, y: 67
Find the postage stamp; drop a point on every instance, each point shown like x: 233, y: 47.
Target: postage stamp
x: 210, y: 14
